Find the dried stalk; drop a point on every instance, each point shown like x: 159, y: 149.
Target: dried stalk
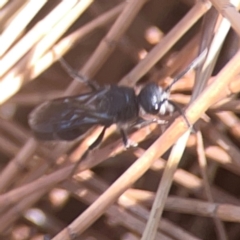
x: 14, y: 30
x: 38, y: 50
x: 228, y: 9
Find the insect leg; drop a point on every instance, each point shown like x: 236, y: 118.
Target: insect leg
x: 181, y: 112
x: 143, y: 123
x: 91, y: 147
x: 197, y: 61
x: 75, y: 75
x: 127, y: 142
x: 98, y: 140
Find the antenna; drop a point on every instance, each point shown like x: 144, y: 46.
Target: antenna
x: 199, y: 59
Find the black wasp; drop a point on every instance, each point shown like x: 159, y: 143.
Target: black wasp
x: 70, y: 117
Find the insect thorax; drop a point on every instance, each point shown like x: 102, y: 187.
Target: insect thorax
x: 121, y: 103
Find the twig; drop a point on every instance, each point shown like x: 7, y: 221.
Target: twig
x: 203, y: 166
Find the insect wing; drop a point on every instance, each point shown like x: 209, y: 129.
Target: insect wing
x: 68, y: 118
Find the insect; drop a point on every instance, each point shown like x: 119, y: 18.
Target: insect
x: 70, y: 117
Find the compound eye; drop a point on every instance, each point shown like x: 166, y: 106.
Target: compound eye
x: 154, y: 109
x: 149, y: 98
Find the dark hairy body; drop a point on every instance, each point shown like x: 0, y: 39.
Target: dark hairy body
x: 69, y: 117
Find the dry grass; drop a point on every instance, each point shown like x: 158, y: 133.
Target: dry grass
x: 119, y: 194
